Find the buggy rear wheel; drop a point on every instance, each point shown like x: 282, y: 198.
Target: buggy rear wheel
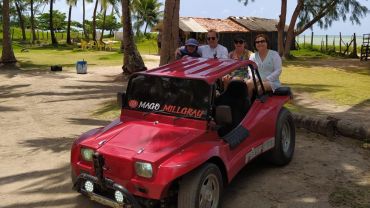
x: 283, y: 151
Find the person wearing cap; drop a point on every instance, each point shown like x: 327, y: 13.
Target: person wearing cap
x: 190, y: 49
x: 212, y: 49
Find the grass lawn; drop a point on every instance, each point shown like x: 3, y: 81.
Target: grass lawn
x: 342, y: 81
x: 67, y: 56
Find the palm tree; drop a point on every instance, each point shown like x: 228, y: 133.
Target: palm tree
x: 84, y: 19
x: 19, y: 5
x: 146, y: 12
x: 94, y: 20
x: 33, y: 22
x: 171, y: 26
x: 115, y: 8
x: 132, y: 61
x: 70, y: 3
x: 51, y: 25
x: 7, y: 55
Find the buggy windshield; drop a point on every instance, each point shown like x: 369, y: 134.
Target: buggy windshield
x: 168, y: 95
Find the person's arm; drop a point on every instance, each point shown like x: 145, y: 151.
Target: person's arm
x: 277, y: 64
x: 177, y: 51
x: 251, y: 58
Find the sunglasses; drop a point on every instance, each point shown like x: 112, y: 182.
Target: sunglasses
x: 238, y: 42
x: 211, y: 38
x: 261, y: 41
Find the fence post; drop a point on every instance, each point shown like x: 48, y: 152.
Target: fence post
x: 354, y: 46
x: 326, y: 43
x: 311, y: 39
x: 334, y: 44
x: 340, y: 42
x: 304, y: 41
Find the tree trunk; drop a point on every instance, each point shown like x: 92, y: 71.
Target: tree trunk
x: 146, y: 27
x: 102, y: 30
x: 171, y: 31
x: 69, y: 26
x: 21, y: 21
x: 51, y: 25
x: 291, y: 33
x: 94, y: 20
x: 83, y: 20
x: 7, y: 55
x: 281, y: 27
x: 33, y: 39
x: 132, y: 61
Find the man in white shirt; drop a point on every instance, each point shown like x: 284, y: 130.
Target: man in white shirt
x: 213, y: 49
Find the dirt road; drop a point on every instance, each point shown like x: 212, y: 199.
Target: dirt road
x: 41, y: 113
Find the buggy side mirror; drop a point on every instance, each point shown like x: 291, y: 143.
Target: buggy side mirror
x: 223, y: 115
x: 120, y: 99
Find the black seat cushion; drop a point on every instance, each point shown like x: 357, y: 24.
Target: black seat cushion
x: 283, y: 91
x: 235, y: 96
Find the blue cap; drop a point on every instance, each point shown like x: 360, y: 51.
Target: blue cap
x: 192, y: 42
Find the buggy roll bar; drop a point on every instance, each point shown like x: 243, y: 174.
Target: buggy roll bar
x: 255, y: 71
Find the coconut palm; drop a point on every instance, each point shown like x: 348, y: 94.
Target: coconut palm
x: 32, y: 11
x: 132, y: 61
x: 171, y: 26
x: 105, y: 4
x: 7, y: 55
x: 51, y: 25
x: 71, y: 3
x: 83, y: 18
x: 20, y: 7
x: 146, y: 12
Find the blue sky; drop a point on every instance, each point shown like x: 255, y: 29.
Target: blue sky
x: 226, y: 8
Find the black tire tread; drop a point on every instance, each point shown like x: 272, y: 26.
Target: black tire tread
x: 188, y: 191
x: 276, y: 155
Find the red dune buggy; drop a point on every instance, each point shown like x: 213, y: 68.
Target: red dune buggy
x: 181, y: 138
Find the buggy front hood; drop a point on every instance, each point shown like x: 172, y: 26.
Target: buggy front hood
x: 148, y: 140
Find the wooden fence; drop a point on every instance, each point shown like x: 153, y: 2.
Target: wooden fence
x: 343, y: 46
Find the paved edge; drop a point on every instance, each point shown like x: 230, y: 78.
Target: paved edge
x: 330, y: 126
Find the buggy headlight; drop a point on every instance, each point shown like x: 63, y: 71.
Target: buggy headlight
x: 87, y: 154
x: 144, y: 169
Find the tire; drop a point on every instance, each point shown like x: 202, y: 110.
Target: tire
x: 201, y: 188
x: 283, y: 151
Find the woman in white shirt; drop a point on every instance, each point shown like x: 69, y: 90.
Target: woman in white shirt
x: 269, y: 65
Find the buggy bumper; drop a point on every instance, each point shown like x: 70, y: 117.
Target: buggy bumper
x: 107, y: 185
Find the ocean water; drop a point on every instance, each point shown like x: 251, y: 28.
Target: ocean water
x: 318, y: 39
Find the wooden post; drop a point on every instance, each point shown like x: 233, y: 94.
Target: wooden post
x: 304, y: 41
x: 12, y: 33
x: 340, y: 42
x: 354, y: 53
x: 334, y: 44
x: 326, y: 43
x: 311, y: 39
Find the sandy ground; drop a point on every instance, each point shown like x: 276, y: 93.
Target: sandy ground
x: 41, y: 113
